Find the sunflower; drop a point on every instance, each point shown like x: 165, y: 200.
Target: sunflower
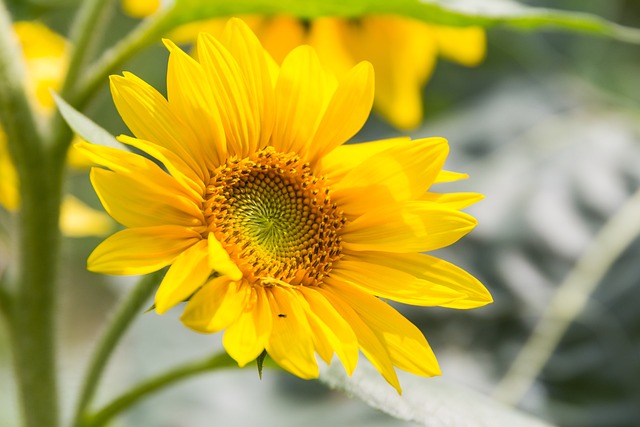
x: 274, y: 231
x: 45, y: 55
x: 403, y: 51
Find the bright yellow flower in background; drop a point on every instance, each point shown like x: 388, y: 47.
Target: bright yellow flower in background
x: 273, y: 230
x: 9, y: 197
x: 45, y: 54
x: 403, y: 51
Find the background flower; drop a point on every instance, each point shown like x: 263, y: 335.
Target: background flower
x: 403, y: 51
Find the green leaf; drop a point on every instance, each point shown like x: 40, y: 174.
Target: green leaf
x: 260, y: 362
x: 486, y: 13
x: 85, y: 127
x: 431, y: 402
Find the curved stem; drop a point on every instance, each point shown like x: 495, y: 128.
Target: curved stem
x: 146, y: 388
x: 143, y: 35
x: 569, y: 300
x: 83, y: 36
x: 122, y: 318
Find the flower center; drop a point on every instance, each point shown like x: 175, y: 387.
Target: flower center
x: 274, y: 218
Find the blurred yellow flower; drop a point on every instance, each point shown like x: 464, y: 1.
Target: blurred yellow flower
x: 403, y: 51
x: 45, y: 54
x: 274, y: 231
x: 8, y: 179
x: 140, y: 8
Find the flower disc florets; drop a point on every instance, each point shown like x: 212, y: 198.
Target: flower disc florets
x: 275, y: 218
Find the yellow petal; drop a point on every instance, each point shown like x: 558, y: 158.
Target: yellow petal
x: 452, y: 200
x: 347, y: 111
x: 216, y: 305
x: 438, y: 272
x: 219, y: 260
x: 300, y: 102
x: 139, y: 202
x: 174, y: 164
x: 238, y: 107
x: 448, y: 176
x: 140, y: 8
x: 400, y: 173
x: 150, y: 117
x: 466, y: 46
x: 254, y: 62
x: 407, y: 347
x: 187, y: 274
x: 247, y: 337
x: 336, y: 164
x: 290, y: 344
x: 370, y: 343
x: 406, y: 227
x: 385, y: 281
x: 327, y: 325
x: 133, y: 166
x: 141, y: 250
x: 75, y: 158
x: 190, y: 94
x: 78, y: 219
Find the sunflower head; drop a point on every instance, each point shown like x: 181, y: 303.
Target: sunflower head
x: 274, y: 231
x: 275, y: 218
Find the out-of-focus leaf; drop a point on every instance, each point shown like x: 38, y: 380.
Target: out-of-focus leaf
x: 484, y: 13
x: 431, y: 402
x: 84, y: 126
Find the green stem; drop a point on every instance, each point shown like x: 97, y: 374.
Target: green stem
x: 147, y: 32
x: 100, y: 418
x: 83, y: 36
x: 569, y: 300
x: 85, y: 33
x: 122, y: 318
x: 32, y: 316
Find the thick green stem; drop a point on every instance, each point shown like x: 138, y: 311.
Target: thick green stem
x: 33, y: 305
x: 100, y: 418
x: 122, y: 318
x: 569, y: 300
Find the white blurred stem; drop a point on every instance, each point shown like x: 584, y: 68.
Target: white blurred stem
x: 570, y: 300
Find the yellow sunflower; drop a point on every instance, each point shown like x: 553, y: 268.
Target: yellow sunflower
x: 403, y: 51
x: 274, y: 231
x: 45, y: 55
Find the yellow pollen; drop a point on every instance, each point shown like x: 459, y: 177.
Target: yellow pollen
x: 275, y: 219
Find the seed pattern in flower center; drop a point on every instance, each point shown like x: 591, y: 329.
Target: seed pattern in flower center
x: 275, y: 218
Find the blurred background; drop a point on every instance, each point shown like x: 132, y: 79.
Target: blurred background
x: 548, y: 128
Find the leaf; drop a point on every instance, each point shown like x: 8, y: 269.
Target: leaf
x: 486, y: 13
x: 430, y: 402
x: 260, y: 362
x: 85, y: 127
